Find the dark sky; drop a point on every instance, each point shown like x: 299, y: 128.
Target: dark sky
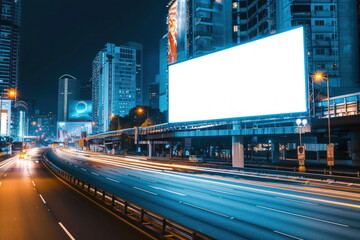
x: 63, y: 36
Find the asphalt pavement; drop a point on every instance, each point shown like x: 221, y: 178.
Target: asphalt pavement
x: 223, y: 207
x: 36, y: 205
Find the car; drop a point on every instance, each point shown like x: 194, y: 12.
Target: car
x: 194, y: 158
x: 23, y: 156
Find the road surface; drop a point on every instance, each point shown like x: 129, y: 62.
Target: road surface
x: 36, y: 205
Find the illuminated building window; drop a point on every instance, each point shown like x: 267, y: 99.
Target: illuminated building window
x: 236, y: 28
x: 235, y: 5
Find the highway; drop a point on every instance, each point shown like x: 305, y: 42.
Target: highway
x: 248, y: 207
x: 36, y: 205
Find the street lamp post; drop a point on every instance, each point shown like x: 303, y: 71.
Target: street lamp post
x: 301, y: 123
x: 320, y: 76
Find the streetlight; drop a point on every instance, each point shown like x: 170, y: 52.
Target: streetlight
x: 141, y: 110
x: 301, y: 123
x: 318, y: 77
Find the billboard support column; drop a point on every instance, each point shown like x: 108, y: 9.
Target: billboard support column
x: 275, y: 152
x: 355, y: 147
x: 238, y: 151
x: 150, y: 148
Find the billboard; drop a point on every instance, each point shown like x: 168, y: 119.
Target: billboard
x: 80, y: 110
x: 5, y: 118
x: 263, y: 77
x: 177, y: 23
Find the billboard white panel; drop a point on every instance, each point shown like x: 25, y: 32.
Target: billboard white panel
x: 263, y: 77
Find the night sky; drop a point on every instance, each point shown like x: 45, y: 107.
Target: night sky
x: 64, y: 36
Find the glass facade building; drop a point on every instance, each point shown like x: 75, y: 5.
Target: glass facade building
x: 9, y: 44
x: 116, y: 82
x: 69, y: 89
x: 332, y: 33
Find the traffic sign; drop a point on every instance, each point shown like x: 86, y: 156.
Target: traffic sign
x: 330, y: 154
x: 301, y: 153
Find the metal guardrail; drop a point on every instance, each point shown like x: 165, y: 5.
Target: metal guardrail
x: 292, y: 173
x: 159, y: 226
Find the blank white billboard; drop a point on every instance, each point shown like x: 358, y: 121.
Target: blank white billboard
x: 263, y: 77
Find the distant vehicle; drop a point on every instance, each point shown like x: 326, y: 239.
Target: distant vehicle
x: 23, y: 155
x: 194, y: 158
x: 18, y: 147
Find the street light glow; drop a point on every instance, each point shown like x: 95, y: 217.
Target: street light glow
x: 12, y: 93
x: 140, y: 110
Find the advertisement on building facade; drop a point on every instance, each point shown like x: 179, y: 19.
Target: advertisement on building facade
x: 80, y: 110
x: 5, y: 118
x: 177, y: 25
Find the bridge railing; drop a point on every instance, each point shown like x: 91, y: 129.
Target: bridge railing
x: 345, y: 105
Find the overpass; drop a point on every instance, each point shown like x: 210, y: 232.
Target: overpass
x: 275, y: 130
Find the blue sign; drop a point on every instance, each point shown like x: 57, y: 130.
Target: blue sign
x: 80, y: 110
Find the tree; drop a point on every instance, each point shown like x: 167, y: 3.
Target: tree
x: 148, y: 122
x: 115, y: 123
x: 142, y: 116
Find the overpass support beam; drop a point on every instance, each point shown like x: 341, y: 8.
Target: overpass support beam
x: 275, y: 152
x: 238, y: 151
x: 355, y: 147
x: 150, y: 148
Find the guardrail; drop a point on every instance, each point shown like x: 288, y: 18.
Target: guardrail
x: 292, y: 173
x: 320, y: 174
x: 160, y: 227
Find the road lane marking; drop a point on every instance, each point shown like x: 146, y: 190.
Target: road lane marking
x: 0, y: 184
x: 42, y: 199
x: 270, y: 192
x: 303, y: 216
x: 101, y: 206
x: 95, y: 173
x: 7, y: 163
x: 181, y: 194
x: 67, y: 232
x: 287, y: 199
x: 207, y: 210
x: 84, y: 169
x: 145, y: 190
x: 113, y: 180
x: 232, y: 194
x: 147, y: 180
x: 33, y: 183
x: 5, y: 175
x: 288, y: 235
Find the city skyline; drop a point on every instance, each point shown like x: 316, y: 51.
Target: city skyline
x: 60, y: 44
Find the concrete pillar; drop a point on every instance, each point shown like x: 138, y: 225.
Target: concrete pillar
x: 237, y: 151
x: 150, y: 148
x: 355, y: 147
x: 275, y: 152
x: 171, y: 148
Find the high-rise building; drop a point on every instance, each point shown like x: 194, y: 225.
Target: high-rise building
x: 154, y: 93
x: 141, y: 89
x: 163, y: 74
x: 9, y: 44
x: 69, y: 89
x: 43, y: 125
x: 20, y: 120
x: 116, y: 87
x: 197, y: 27
x: 332, y: 33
